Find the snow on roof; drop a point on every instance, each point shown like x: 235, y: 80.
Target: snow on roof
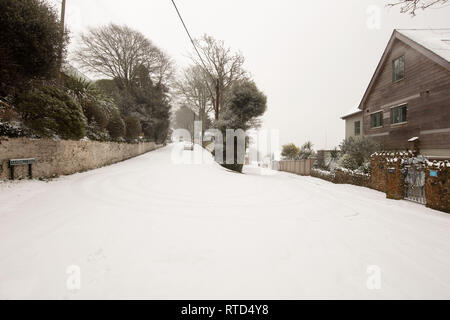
x: 435, y: 40
x: 351, y: 112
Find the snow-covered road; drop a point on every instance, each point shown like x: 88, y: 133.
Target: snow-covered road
x: 148, y: 228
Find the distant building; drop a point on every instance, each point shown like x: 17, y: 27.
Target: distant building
x: 353, y: 124
x: 408, y: 97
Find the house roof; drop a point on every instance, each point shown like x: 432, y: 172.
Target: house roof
x: 351, y: 112
x: 436, y: 41
x: 432, y: 43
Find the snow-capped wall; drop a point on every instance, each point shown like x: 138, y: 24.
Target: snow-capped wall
x: 343, y: 176
x: 388, y: 175
x: 437, y: 186
x: 55, y: 158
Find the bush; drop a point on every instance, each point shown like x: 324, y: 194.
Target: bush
x: 306, y: 151
x: 133, y: 127
x: 94, y: 112
x: 247, y: 103
x: 116, y: 126
x: 94, y: 103
x: 156, y: 130
x: 348, y: 162
x: 97, y: 133
x: 29, y: 42
x: 358, y: 150
x: 13, y: 130
x: 8, y: 113
x: 290, y: 151
x: 49, y: 111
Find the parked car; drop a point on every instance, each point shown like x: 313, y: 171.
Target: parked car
x: 188, y: 146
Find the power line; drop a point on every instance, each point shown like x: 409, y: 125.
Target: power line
x: 216, y: 100
x: 189, y: 35
x: 198, y: 53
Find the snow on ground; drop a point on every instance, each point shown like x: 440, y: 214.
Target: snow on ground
x: 148, y: 228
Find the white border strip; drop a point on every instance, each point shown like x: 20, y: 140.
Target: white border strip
x: 435, y: 131
x: 378, y: 134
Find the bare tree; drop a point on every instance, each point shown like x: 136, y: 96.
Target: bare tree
x: 223, y: 66
x: 164, y: 70
x: 120, y: 53
x: 192, y: 88
x: 411, y: 6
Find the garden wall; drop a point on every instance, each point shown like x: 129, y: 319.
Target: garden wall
x: 437, y: 188
x: 340, y: 176
x: 388, y: 175
x: 64, y: 157
x: 378, y: 171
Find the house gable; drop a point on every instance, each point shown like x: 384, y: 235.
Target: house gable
x: 425, y: 89
x: 421, y: 74
x: 400, y: 44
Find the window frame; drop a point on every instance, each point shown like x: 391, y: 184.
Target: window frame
x: 359, y: 128
x: 392, y: 117
x: 381, y: 119
x: 394, y: 70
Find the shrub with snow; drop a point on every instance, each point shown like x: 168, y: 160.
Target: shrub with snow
x: 97, y: 133
x: 116, y: 126
x: 13, y: 130
x: 133, y: 127
x: 50, y: 111
x: 356, y: 153
x: 348, y: 162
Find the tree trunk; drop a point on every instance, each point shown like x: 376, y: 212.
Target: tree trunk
x: 217, y: 104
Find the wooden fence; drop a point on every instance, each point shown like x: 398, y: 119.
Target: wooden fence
x: 301, y: 167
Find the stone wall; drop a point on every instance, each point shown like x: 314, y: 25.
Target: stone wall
x: 395, y: 180
x: 64, y: 157
x: 437, y: 189
x: 351, y: 177
x: 386, y: 173
x: 324, y: 175
x: 342, y: 176
x: 378, y: 164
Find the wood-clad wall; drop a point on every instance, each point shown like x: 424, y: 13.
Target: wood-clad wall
x: 426, y: 89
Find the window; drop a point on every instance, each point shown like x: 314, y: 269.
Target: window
x: 376, y: 119
x: 399, y: 68
x: 399, y: 114
x: 357, y: 128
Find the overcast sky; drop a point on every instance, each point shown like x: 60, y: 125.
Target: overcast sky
x: 313, y: 59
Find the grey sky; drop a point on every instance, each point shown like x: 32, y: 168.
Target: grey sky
x: 313, y: 59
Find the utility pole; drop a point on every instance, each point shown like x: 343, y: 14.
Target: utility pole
x: 61, y: 41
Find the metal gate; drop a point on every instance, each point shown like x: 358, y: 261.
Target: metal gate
x: 415, y: 183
